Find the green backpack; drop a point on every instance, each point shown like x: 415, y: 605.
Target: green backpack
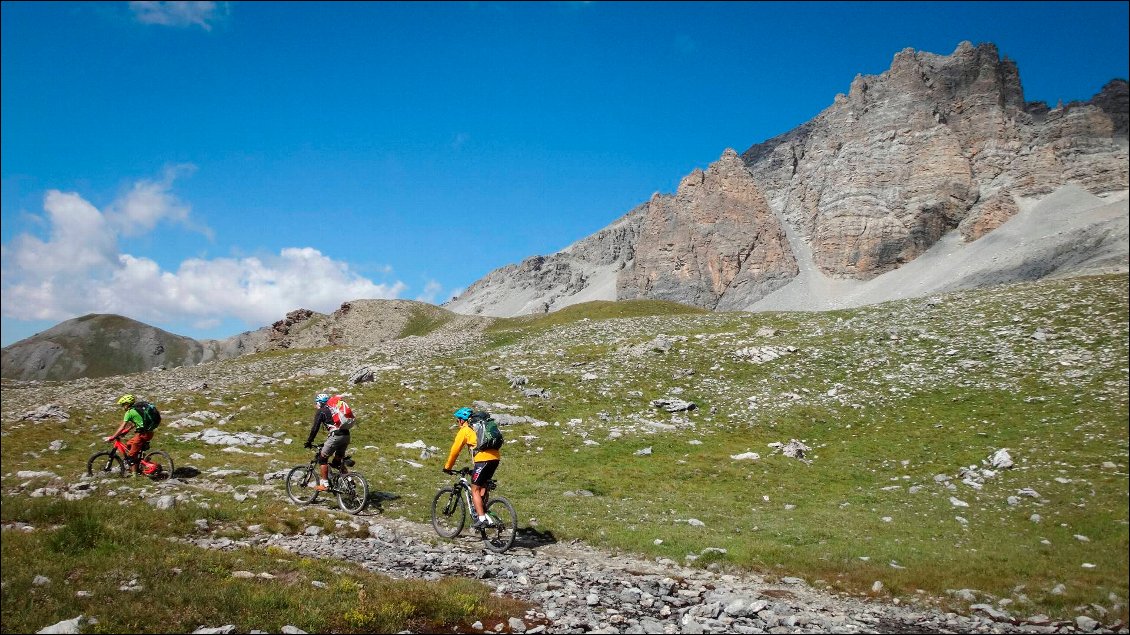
x: 150, y: 416
x: 487, y: 434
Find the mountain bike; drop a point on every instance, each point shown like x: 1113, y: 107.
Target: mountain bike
x: 351, y: 489
x: 156, y: 464
x: 451, y: 505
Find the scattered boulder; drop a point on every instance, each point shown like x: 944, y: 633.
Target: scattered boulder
x: 670, y: 404
x: 362, y: 375
x: 73, y: 625
x: 762, y: 354
x: 48, y: 411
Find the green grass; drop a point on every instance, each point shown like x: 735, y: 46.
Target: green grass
x: 886, y: 396
x: 509, y: 330
x: 97, y: 547
x: 422, y: 320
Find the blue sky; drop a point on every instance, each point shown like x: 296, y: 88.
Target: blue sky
x: 206, y: 167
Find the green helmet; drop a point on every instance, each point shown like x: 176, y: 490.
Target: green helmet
x: 126, y: 400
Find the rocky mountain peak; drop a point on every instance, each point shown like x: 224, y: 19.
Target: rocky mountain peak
x: 1114, y: 101
x: 936, y: 145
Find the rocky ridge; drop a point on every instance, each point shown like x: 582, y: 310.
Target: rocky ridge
x: 938, y: 144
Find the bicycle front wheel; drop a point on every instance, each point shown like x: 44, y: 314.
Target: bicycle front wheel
x: 105, y: 463
x: 449, y: 514
x: 352, y: 492
x: 300, y: 483
x: 164, y: 464
x: 499, y: 535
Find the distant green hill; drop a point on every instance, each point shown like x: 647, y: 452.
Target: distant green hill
x: 97, y: 345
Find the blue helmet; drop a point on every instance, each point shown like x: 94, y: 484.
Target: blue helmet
x: 463, y: 413
x: 322, y: 398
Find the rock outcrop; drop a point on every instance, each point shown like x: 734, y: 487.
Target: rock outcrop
x: 714, y: 244
x: 938, y: 144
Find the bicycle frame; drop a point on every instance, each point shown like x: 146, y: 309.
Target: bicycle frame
x: 146, y: 466
x: 334, y: 474
x: 465, y: 486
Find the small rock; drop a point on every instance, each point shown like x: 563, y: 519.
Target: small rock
x: 217, y: 630
x: 73, y: 625
x: 1085, y: 624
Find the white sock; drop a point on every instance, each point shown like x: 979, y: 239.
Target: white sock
x: 482, y: 519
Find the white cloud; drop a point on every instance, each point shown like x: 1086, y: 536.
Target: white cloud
x: 150, y: 202
x: 80, y: 269
x: 80, y: 239
x: 182, y: 14
x: 431, y: 290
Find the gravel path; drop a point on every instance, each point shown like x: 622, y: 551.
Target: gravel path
x: 576, y: 588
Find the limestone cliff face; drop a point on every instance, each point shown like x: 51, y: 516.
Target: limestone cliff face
x: 714, y: 244
x: 934, y: 145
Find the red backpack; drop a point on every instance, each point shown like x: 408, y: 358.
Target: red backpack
x: 342, y: 414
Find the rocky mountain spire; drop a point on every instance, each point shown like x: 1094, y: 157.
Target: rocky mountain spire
x: 715, y: 243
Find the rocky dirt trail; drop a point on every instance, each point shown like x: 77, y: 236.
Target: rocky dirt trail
x: 576, y: 588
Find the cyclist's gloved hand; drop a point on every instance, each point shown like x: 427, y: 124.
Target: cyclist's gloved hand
x: 307, y: 445
x: 448, y: 471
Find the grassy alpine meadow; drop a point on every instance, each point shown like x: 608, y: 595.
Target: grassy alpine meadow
x: 899, y: 410
x: 118, y: 565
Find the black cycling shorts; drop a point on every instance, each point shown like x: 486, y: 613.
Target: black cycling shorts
x: 484, y: 472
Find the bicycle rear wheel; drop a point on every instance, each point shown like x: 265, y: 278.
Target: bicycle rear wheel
x: 164, y: 464
x: 105, y: 463
x: 499, y: 535
x: 352, y: 492
x: 449, y: 514
x: 300, y: 484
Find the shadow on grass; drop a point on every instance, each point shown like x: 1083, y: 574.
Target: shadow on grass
x: 531, y: 538
x: 376, y: 498
x: 185, y: 472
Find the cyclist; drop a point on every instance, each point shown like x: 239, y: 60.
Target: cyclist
x: 336, y: 443
x: 486, y: 462
x: 132, y: 420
